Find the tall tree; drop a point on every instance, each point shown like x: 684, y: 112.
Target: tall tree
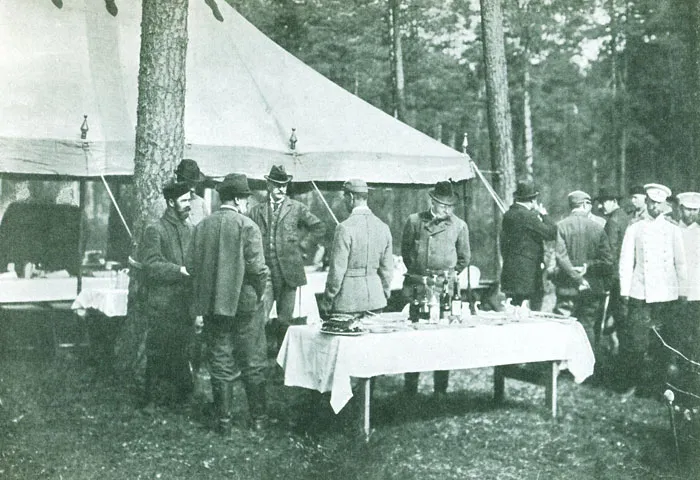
x: 397, y: 59
x: 499, y: 119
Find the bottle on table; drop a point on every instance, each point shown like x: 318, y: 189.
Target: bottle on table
x: 414, y: 308
x: 456, y: 297
x: 434, y: 302
x: 445, y: 299
x: 424, y: 310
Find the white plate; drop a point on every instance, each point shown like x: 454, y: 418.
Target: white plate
x: 343, y: 334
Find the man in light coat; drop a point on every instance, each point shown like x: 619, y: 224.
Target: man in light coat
x: 652, y: 279
x: 434, y: 242
x: 229, y: 276
x: 361, y: 260
x: 689, y: 327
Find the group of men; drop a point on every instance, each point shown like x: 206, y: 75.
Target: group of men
x: 228, y: 268
x: 640, y: 270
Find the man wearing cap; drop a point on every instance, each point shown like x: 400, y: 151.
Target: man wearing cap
x: 188, y: 171
x: 229, y: 276
x: 167, y: 294
x: 284, y: 223
x: 689, y: 326
x: 652, y: 278
x: 584, y: 265
x: 434, y: 242
x: 525, y: 228
x: 361, y: 262
x: 638, y: 198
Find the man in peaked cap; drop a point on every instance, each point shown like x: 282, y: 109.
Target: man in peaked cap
x: 690, y: 326
x: 525, y: 228
x: 434, y: 242
x: 229, y: 275
x: 287, y: 227
x: 361, y: 260
x: 188, y: 172
x: 652, y: 279
x: 162, y: 252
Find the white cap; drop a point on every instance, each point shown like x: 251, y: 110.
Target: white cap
x: 657, y: 192
x: 689, y: 199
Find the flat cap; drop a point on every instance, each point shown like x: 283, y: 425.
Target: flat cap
x: 657, y: 192
x: 689, y: 199
x: 355, y: 185
x: 577, y: 197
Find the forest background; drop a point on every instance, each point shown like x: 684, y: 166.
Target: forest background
x: 602, y: 92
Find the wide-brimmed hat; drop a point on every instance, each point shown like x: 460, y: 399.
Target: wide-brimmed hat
x: 657, y: 192
x: 174, y: 190
x: 444, y: 193
x: 356, y: 185
x: 608, y: 193
x: 278, y: 174
x: 234, y: 185
x: 525, y: 191
x: 188, y: 171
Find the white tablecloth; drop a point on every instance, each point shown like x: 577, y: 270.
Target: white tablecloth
x: 23, y: 290
x: 322, y: 362
x: 110, y: 301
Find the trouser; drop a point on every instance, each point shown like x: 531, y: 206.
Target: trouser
x: 237, y: 341
x: 588, y: 310
x: 440, y: 380
x: 643, y: 359
x: 284, y: 295
x: 167, y: 346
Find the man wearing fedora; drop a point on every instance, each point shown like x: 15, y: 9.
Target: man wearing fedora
x: 638, y: 199
x: 525, y: 228
x: 434, y: 242
x: 167, y: 295
x: 361, y: 260
x: 229, y: 276
x: 188, y: 171
x: 652, y: 279
x: 284, y: 223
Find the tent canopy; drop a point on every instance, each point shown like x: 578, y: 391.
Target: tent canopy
x: 244, y: 96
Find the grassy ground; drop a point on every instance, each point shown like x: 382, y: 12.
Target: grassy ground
x: 63, y: 419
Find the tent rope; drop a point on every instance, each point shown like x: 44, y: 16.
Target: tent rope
x: 114, y: 202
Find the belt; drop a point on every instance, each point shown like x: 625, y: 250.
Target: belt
x: 360, y: 272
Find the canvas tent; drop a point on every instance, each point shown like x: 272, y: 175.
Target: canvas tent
x: 244, y: 96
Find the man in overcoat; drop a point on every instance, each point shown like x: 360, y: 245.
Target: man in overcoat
x: 652, y: 280
x: 434, y: 242
x: 168, y: 293
x: 188, y: 171
x: 283, y: 223
x: 229, y: 276
x: 361, y: 260
x: 525, y: 228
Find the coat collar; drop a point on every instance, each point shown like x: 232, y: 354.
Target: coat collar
x: 171, y: 217
x: 433, y: 226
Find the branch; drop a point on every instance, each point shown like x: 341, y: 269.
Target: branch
x: 683, y: 391
x: 673, y: 349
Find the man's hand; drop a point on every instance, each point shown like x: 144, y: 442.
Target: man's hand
x: 324, y: 306
x: 183, y: 271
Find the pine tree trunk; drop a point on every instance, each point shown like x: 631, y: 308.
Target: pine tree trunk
x: 159, y: 141
x: 500, y: 139
x: 399, y: 82
x: 527, y: 120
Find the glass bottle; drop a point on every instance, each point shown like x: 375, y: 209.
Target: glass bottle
x: 445, y: 299
x: 424, y: 311
x: 434, y: 302
x: 414, y: 308
x: 456, y: 297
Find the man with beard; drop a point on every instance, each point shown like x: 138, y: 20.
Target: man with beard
x: 283, y: 223
x: 188, y: 171
x: 434, y: 242
x: 652, y: 280
x: 167, y: 298
x: 229, y: 276
x: 689, y: 324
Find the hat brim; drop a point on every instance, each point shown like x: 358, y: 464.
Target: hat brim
x: 232, y: 190
x: 451, y: 200
x: 526, y: 197
x: 281, y: 182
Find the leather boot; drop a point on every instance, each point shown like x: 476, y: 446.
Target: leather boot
x: 257, y: 405
x: 222, y: 392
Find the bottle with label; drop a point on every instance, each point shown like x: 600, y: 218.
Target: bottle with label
x: 414, y: 308
x: 434, y: 302
x: 424, y: 310
x: 456, y: 298
x: 445, y: 300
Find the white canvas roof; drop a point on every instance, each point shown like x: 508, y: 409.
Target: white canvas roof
x: 244, y: 96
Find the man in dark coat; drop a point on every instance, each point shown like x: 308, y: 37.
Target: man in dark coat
x: 525, y: 228
x: 188, y: 171
x: 283, y: 222
x: 170, y: 325
x: 361, y: 265
x: 229, y: 276
x: 434, y: 242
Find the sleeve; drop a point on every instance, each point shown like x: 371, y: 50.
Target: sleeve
x: 311, y: 222
x: 156, y: 266
x: 542, y: 226
x: 615, y: 230
x: 386, y: 265
x: 563, y: 261
x: 626, y: 266
x: 602, y: 265
x: 463, y: 249
x: 255, y: 269
x: 338, y: 262
x: 407, y: 239
x: 679, y: 261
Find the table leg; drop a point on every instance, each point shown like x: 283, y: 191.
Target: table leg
x: 498, y: 384
x: 551, y: 388
x: 366, y: 388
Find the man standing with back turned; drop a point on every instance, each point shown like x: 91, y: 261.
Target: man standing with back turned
x: 229, y: 276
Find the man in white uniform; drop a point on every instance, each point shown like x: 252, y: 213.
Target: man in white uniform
x: 689, y: 330
x: 652, y: 280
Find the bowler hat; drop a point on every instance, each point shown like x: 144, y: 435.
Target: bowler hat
x: 607, y: 193
x: 188, y: 171
x: 355, y: 185
x: 278, y: 175
x: 174, y: 190
x: 525, y: 191
x: 234, y: 185
x: 444, y: 193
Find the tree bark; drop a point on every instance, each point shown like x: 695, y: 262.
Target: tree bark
x: 527, y: 120
x: 499, y: 118
x: 397, y: 54
x: 159, y: 141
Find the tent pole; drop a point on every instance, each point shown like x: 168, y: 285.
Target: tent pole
x: 114, y: 202
x: 81, y: 234
x: 324, y: 202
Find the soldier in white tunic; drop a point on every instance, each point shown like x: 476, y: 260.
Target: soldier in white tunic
x: 689, y: 335
x: 652, y: 280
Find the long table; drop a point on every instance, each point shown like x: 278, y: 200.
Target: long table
x: 326, y: 363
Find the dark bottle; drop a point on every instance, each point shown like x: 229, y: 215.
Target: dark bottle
x: 445, y: 298
x: 424, y: 310
x: 414, y: 308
